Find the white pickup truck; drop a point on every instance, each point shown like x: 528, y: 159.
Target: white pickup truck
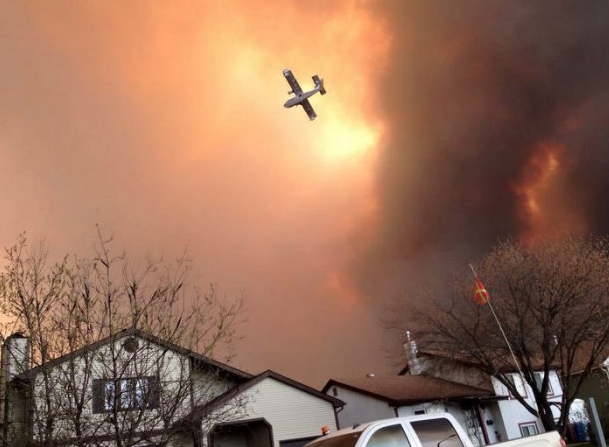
x: 430, y: 430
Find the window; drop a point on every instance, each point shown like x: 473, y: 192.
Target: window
x: 436, y: 433
x: 126, y: 393
x: 392, y: 436
x: 133, y: 393
x: 516, y: 380
x: 528, y: 429
x: 539, y: 381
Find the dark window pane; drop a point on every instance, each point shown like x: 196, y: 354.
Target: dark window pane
x: 109, y: 391
x: 538, y: 380
x: 528, y: 429
x: 436, y: 433
x: 98, y: 396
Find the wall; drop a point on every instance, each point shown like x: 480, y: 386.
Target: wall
x: 359, y: 408
x: 110, y: 361
x: 496, y: 430
x: 291, y: 412
x: 514, y: 413
x: 454, y: 371
x: 207, y: 385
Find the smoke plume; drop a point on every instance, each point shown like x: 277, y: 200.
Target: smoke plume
x: 498, y: 117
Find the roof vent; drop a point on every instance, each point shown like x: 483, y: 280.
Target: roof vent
x: 370, y: 375
x: 130, y: 344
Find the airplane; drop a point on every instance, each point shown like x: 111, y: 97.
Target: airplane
x: 301, y: 98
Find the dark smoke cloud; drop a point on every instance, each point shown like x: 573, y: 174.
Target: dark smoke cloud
x: 476, y: 92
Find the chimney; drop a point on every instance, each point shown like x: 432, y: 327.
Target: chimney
x: 15, y: 360
x: 414, y: 364
x: 15, y: 356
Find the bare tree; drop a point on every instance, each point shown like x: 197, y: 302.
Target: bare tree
x: 552, y: 299
x: 112, y: 347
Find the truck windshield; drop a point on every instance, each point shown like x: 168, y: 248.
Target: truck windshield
x: 347, y: 440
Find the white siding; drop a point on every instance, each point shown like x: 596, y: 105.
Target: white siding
x: 496, y: 431
x: 514, y: 413
x: 360, y: 408
x: 207, y: 385
x: 152, y: 360
x: 181, y: 440
x: 292, y: 413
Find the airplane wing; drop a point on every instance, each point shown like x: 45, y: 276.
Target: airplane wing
x: 309, y: 109
x: 292, y: 81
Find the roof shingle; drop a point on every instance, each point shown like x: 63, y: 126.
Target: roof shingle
x: 410, y: 389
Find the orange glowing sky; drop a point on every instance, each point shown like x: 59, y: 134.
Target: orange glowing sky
x: 163, y: 122
x: 443, y: 129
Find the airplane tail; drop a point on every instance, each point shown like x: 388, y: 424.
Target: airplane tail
x: 319, y: 83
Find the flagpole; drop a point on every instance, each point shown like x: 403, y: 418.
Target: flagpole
x: 490, y: 305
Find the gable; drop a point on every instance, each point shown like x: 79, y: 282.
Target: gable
x: 361, y: 407
x: 271, y: 393
x: 208, y: 385
x: 293, y: 410
x: 122, y: 340
x: 288, y: 409
x: 244, y: 393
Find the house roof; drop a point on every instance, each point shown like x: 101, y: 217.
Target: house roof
x: 399, y: 390
x: 134, y: 332
x: 467, y: 360
x: 582, y: 358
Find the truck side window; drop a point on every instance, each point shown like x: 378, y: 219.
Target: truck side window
x: 391, y: 436
x: 436, y: 433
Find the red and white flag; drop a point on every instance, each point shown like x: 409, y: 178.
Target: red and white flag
x: 480, y: 293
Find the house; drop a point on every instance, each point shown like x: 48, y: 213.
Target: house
x: 295, y: 412
x: 517, y: 420
x: 507, y: 416
x: 135, y: 389
x: 370, y: 398
x: 433, y: 382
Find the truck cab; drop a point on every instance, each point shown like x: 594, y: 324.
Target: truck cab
x: 430, y: 430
